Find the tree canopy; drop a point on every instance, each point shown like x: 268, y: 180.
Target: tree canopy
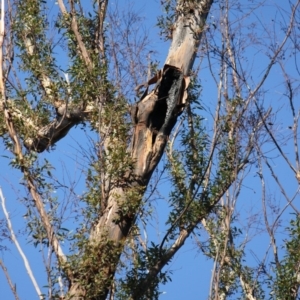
x: 108, y: 137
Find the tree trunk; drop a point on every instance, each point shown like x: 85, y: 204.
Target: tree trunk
x: 154, y: 117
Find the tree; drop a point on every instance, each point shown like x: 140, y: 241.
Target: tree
x: 207, y: 168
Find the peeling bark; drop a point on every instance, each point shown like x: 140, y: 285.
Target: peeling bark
x: 188, y: 28
x: 154, y: 117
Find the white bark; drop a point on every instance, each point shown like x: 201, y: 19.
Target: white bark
x: 19, y: 248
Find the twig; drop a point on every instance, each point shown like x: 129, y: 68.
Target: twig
x: 269, y: 230
x: 290, y: 201
x: 11, y: 285
x: 295, y: 118
x: 14, y: 239
x: 279, y: 49
x: 275, y: 141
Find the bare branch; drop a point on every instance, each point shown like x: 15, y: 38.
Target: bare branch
x: 268, y: 227
x: 14, y: 239
x: 278, y: 51
x: 296, y: 116
x: 11, y: 285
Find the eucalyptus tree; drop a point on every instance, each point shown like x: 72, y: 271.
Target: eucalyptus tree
x: 42, y: 101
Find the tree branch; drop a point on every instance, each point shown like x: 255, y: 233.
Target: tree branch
x: 19, y: 154
x: 12, y: 287
x: 14, y: 239
x: 74, y: 26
